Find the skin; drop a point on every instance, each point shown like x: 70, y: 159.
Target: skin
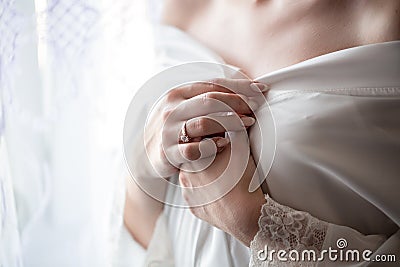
x: 238, y: 211
x: 266, y: 35
x: 170, y: 113
x: 260, y: 37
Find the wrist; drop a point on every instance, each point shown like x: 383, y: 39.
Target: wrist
x: 250, y: 226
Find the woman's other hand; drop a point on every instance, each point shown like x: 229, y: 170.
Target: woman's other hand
x: 235, y: 213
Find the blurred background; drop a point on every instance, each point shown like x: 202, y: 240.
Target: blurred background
x: 68, y: 70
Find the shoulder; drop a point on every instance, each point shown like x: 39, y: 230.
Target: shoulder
x: 180, y: 13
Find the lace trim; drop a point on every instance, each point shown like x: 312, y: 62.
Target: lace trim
x: 283, y: 228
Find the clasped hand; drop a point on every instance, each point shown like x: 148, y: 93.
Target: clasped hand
x: 191, y: 106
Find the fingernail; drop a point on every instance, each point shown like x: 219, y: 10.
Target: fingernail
x: 222, y: 142
x: 257, y: 87
x: 248, y: 121
x: 253, y: 105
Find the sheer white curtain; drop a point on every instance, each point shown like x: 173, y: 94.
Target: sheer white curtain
x: 68, y: 69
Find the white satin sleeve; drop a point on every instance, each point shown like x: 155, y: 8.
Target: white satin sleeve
x: 283, y: 228
x: 158, y: 253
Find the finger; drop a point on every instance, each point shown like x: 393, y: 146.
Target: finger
x: 203, y: 149
x: 213, y: 102
x: 242, y: 86
x: 215, y: 124
x: 239, y: 86
x: 187, y: 152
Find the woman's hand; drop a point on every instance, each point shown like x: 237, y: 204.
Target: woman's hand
x: 238, y: 211
x: 190, y: 106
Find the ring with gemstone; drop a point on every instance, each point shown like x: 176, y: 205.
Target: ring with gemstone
x: 184, y: 137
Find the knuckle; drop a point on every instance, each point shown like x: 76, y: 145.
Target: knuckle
x: 216, y: 81
x: 213, y: 85
x: 205, y: 98
x: 209, y: 98
x: 201, y: 125
x: 171, y: 95
x: 191, y: 87
x: 189, y: 153
x: 166, y: 113
x: 212, y: 95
